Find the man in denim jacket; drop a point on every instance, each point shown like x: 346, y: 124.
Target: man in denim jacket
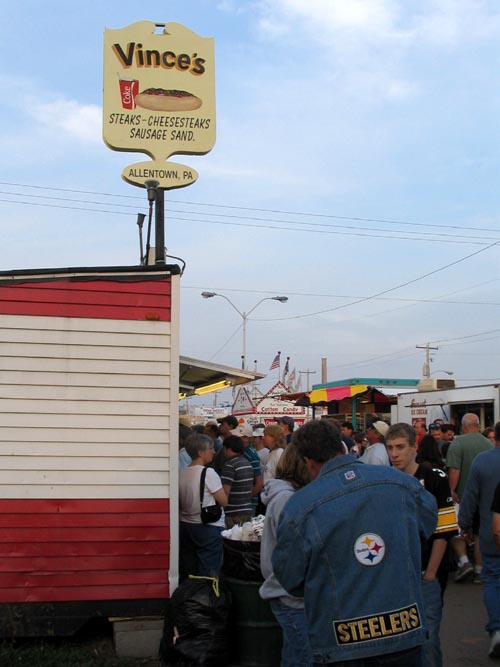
x: 349, y: 543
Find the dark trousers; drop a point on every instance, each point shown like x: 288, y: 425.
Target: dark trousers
x: 200, y: 550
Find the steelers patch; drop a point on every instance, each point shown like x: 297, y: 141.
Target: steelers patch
x: 369, y: 549
x: 378, y: 626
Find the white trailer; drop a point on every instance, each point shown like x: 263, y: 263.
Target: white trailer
x: 449, y: 405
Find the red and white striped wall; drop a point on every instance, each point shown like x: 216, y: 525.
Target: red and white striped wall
x: 88, y: 440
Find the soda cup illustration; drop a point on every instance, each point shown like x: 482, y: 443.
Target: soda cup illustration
x: 129, y: 88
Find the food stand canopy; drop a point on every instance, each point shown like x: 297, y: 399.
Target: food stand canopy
x: 360, y: 390
x: 196, y: 375
x: 327, y: 394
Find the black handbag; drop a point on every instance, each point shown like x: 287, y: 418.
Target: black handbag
x: 212, y: 513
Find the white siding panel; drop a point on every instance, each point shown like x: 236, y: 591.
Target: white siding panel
x: 13, y: 378
x: 83, y: 393
x: 155, y: 336
x: 97, y: 449
x: 65, y: 365
x: 85, y: 407
x: 104, y: 352
x: 43, y: 420
x: 67, y: 326
x: 82, y: 463
x: 42, y: 478
x: 78, y: 437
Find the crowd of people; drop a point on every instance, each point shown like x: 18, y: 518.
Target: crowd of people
x: 362, y: 529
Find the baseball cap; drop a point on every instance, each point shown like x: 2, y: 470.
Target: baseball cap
x: 381, y: 427
x: 230, y: 420
x: 258, y: 431
x: 286, y: 420
x: 242, y: 430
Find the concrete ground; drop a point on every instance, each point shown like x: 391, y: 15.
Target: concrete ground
x: 464, y: 641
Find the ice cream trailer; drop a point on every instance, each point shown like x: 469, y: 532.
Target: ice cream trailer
x: 89, y: 365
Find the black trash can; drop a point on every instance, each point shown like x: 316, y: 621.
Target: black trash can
x: 255, y: 634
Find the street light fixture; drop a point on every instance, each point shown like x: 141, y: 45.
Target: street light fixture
x: 244, y: 316
x: 441, y: 371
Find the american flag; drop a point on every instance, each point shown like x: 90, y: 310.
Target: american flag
x: 276, y: 362
x: 286, y: 369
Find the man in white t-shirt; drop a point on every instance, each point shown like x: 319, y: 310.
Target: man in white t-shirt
x: 376, y: 453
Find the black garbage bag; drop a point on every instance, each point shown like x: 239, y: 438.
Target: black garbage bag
x: 195, y: 631
x: 241, y: 560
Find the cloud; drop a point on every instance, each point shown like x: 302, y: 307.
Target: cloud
x: 48, y: 115
x: 322, y: 19
x: 230, y: 7
x: 451, y: 23
x: 74, y: 120
x: 372, y: 46
x: 47, y: 120
x: 384, y: 21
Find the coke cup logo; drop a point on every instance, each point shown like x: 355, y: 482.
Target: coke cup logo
x: 128, y: 90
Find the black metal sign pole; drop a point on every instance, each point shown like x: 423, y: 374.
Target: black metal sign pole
x: 160, y: 226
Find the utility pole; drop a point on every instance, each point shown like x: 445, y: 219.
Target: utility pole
x: 308, y: 373
x: 426, y: 368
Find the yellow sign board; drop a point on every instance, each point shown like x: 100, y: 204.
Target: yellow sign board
x: 159, y: 98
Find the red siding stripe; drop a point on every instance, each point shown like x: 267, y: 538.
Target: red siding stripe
x: 106, y: 299
x: 61, y: 562
x: 40, y: 520
x: 77, y: 506
x: 55, y: 550
x: 88, y: 534
x: 122, y: 592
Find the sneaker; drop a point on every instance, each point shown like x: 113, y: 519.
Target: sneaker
x: 494, y: 651
x: 477, y: 579
x: 464, y: 572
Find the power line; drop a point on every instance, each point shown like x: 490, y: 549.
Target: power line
x: 453, y: 239
x: 226, y: 343
x: 472, y: 342
x: 348, y: 296
x: 387, y: 291
x: 260, y: 210
x: 483, y: 333
x: 286, y: 228
x: 366, y: 362
x: 70, y: 208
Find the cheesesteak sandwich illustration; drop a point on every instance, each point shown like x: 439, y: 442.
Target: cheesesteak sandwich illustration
x: 159, y: 99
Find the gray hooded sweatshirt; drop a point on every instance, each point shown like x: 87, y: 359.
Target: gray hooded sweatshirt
x: 275, y: 495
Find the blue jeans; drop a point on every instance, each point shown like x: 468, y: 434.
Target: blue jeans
x: 296, y: 651
x: 433, y: 608
x: 491, y: 591
x: 200, y: 550
x: 410, y: 658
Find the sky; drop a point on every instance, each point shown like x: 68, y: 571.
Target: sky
x: 356, y: 171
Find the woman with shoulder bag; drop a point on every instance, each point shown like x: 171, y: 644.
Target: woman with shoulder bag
x: 201, y: 520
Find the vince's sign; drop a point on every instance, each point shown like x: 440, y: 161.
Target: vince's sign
x: 159, y: 98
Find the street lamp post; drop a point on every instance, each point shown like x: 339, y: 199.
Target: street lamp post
x: 244, y: 316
